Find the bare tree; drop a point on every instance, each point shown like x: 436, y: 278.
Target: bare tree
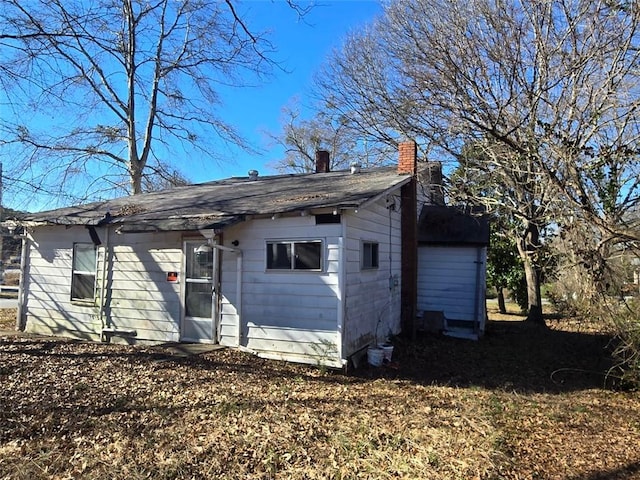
x: 512, y: 188
x: 301, y: 138
x: 103, y: 90
x: 545, y: 90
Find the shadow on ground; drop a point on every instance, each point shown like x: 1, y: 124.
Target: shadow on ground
x: 513, y: 355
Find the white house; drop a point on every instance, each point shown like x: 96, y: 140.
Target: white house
x: 308, y: 267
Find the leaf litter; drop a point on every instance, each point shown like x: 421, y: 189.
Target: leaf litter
x: 444, y: 409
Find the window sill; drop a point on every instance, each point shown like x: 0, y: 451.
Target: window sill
x: 282, y: 270
x: 83, y: 303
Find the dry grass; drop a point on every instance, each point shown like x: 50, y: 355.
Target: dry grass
x: 444, y: 409
x: 7, y: 318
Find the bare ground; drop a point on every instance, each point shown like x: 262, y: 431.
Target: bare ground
x: 523, y: 403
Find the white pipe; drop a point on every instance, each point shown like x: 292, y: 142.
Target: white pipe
x: 342, y: 290
x: 214, y: 293
x: 24, y: 257
x: 227, y: 249
x: 104, y: 324
x: 239, y: 295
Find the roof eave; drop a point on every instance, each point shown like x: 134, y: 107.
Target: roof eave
x: 377, y: 197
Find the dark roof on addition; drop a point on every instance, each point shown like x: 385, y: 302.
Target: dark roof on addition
x: 453, y: 226
x: 214, y: 205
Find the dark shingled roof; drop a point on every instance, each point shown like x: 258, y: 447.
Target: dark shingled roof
x: 220, y: 203
x: 453, y: 226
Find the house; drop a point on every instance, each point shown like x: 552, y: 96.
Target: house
x: 310, y: 268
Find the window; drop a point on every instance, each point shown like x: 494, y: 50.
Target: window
x: 369, y: 255
x: 324, y: 218
x: 305, y: 255
x: 83, y: 281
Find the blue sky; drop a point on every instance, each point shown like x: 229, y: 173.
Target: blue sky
x: 303, y: 45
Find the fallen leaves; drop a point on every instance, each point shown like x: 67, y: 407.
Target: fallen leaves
x: 449, y: 409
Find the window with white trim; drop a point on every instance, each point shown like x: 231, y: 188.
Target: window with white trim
x: 294, y: 255
x: 83, y: 280
x: 370, y: 255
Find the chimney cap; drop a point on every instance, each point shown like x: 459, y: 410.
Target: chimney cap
x: 253, y: 174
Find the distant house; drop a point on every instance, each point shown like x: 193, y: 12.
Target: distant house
x: 309, y: 268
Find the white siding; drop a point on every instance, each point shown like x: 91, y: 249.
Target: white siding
x: 141, y: 298
x: 372, y: 305
x: 448, y: 281
x: 48, y: 307
x: 137, y: 295
x: 314, y: 317
x: 288, y: 315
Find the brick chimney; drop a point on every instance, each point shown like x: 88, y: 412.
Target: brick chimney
x: 408, y: 157
x: 322, y: 161
x: 407, y: 163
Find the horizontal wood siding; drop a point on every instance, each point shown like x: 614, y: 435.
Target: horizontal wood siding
x: 48, y: 306
x: 228, y: 323
x: 141, y: 298
x: 138, y: 296
x: 447, y: 281
x: 289, y: 315
x: 372, y: 307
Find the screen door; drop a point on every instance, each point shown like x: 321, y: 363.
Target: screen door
x: 199, y: 293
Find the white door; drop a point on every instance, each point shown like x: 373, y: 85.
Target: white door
x: 199, y: 323
x: 447, y: 278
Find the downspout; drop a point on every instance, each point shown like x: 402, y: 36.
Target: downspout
x: 107, y: 330
x: 215, y: 324
x: 390, y: 209
x: 239, y: 294
x: 342, y: 297
x: 24, y: 256
x: 104, y: 323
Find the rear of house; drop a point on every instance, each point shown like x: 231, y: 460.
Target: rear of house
x: 309, y: 268
x: 304, y: 268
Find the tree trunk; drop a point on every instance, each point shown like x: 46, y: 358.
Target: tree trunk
x: 527, y: 246
x: 136, y: 184
x: 501, y: 305
x: 135, y: 177
x: 534, y: 295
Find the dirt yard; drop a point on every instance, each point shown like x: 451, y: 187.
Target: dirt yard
x: 523, y: 403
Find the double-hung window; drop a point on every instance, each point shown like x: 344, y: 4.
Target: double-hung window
x: 369, y: 255
x: 83, y: 280
x: 294, y: 255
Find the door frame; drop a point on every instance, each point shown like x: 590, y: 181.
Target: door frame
x: 215, y: 284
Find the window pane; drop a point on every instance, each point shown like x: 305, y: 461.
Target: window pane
x: 369, y: 255
x: 82, y: 286
x: 279, y: 256
x: 199, y: 261
x: 374, y: 255
x: 366, y: 255
x: 199, y: 300
x: 84, y: 257
x: 308, y: 256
